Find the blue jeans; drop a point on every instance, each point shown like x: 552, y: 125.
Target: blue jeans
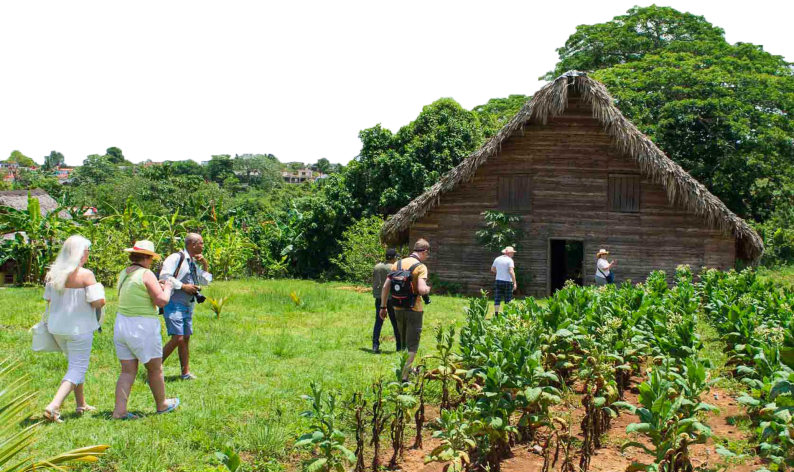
x: 178, y: 319
x: 379, y: 325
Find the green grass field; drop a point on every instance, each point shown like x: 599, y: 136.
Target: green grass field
x: 253, y: 364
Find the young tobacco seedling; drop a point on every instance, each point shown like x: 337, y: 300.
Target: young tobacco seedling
x: 453, y: 428
x: 326, y: 442
x: 449, y: 369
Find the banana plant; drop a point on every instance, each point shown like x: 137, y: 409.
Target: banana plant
x: 36, y: 239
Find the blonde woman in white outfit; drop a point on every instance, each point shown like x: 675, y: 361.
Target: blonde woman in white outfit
x: 73, y: 296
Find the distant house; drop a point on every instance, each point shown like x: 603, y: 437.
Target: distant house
x: 299, y: 176
x: 18, y: 200
x: 63, y: 173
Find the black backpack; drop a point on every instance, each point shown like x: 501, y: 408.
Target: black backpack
x: 402, y: 290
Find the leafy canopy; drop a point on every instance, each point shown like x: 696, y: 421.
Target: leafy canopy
x: 721, y: 111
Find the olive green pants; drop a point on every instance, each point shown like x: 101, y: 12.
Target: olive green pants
x: 409, y: 323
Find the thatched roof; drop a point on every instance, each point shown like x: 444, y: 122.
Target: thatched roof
x: 551, y: 101
x: 18, y: 199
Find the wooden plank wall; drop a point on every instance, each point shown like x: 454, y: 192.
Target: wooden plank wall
x: 569, y: 161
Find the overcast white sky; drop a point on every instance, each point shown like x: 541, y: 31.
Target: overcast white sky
x: 188, y: 79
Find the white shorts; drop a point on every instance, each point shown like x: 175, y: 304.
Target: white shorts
x: 77, y: 349
x: 137, y: 337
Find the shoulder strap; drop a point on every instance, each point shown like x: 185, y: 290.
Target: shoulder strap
x: 127, y: 275
x: 400, y: 264
x: 179, y: 264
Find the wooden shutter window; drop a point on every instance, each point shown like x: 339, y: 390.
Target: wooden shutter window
x: 624, y: 193
x: 513, y: 193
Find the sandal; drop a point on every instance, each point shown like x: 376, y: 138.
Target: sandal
x: 128, y: 416
x: 53, y: 416
x: 83, y: 409
x: 172, y: 403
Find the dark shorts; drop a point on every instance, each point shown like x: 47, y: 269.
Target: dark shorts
x: 502, y: 290
x: 178, y: 319
x: 409, y: 323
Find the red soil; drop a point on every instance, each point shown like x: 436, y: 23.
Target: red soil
x: 609, y: 458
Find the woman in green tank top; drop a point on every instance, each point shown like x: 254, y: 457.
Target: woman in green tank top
x: 137, y: 329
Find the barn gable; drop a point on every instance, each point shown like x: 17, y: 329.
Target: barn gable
x: 551, y: 101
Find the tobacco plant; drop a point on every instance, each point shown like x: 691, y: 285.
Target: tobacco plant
x: 664, y: 422
x: 378, y: 422
x: 419, y: 414
x: 401, y: 401
x: 455, y: 432
x: 326, y: 441
x: 448, y: 369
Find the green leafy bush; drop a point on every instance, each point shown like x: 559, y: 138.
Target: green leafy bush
x: 361, y: 250
x: 501, y: 230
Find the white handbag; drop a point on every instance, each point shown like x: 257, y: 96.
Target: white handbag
x: 43, y: 340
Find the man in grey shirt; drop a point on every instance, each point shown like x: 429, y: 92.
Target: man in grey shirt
x: 379, y: 275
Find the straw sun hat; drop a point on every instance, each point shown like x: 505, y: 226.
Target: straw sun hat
x: 508, y: 249
x: 143, y: 247
x: 602, y: 252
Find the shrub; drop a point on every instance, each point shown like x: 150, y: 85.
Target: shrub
x: 361, y: 250
x: 501, y: 229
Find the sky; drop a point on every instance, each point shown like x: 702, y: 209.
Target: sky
x: 171, y: 80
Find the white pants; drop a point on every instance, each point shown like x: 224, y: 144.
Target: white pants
x: 137, y: 337
x: 77, y: 349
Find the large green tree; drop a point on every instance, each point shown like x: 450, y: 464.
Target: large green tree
x: 115, y: 155
x: 220, y: 167
x: 258, y: 170
x: 722, y: 111
x: 630, y: 37
x: 497, y: 112
x: 393, y: 168
x: 17, y: 157
x: 53, y: 160
x: 95, y: 170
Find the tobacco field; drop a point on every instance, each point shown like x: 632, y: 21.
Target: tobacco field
x: 550, y: 381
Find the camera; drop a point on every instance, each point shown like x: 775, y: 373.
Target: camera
x: 198, y: 296
x: 426, y: 298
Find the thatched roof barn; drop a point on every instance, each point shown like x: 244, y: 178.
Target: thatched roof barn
x: 18, y: 199
x: 580, y: 172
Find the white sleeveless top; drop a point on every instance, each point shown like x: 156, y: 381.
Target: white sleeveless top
x: 70, y: 312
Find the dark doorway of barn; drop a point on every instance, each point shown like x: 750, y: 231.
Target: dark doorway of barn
x: 566, y: 257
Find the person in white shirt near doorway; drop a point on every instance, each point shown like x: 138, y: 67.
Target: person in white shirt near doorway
x: 505, y: 269
x: 187, y: 270
x: 604, y: 274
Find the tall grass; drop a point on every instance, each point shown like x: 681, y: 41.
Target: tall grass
x: 253, y: 364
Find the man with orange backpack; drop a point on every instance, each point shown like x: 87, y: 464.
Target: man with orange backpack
x: 406, y: 284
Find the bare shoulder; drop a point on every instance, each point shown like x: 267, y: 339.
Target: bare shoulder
x: 86, y: 276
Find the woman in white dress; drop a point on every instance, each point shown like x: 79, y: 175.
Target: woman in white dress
x: 73, y: 297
